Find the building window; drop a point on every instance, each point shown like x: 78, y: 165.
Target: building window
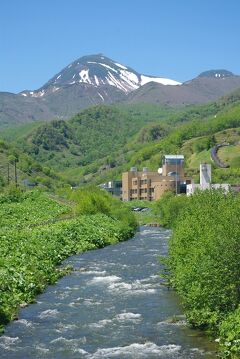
x: 133, y: 191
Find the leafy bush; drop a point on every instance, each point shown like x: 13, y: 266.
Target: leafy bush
x: 92, y: 200
x: 169, y: 207
x: 204, y: 263
x: 230, y: 335
x: 11, y: 194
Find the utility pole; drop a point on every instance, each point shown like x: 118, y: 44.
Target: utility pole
x: 8, y: 174
x: 15, y: 172
x: 176, y: 176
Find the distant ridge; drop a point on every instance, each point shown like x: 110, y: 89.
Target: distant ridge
x: 216, y: 73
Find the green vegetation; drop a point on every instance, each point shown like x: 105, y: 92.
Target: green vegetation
x: 89, y: 136
x: 29, y: 173
x: 20, y: 131
x: 169, y: 207
x: 230, y: 154
x: 191, y: 137
x: 18, y: 210
x: 37, y: 233
x: 100, y: 143
x: 204, y: 261
x: 148, y: 215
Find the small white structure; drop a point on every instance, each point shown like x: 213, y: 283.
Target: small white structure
x: 205, y: 181
x: 205, y: 176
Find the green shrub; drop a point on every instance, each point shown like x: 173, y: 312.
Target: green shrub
x: 230, y: 335
x: 11, y: 194
x: 204, y: 262
x: 169, y: 207
x: 92, y: 200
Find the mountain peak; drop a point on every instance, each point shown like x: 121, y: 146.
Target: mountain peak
x: 216, y: 73
x: 98, y: 71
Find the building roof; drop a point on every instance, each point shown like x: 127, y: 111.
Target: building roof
x: 174, y: 157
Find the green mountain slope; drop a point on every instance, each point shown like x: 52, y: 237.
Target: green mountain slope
x: 18, y: 168
x: 193, y: 138
x: 89, y: 136
x: 99, y: 143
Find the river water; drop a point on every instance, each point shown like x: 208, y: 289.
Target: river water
x: 112, y: 306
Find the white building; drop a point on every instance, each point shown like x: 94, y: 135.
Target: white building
x: 205, y: 181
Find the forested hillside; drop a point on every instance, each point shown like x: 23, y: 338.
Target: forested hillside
x: 91, y: 135
x: 99, y: 143
x: 191, y: 133
x: 17, y: 168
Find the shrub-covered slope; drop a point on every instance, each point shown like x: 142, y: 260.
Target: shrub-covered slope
x: 21, y: 169
x: 192, y: 135
x: 89, y: 136
x: 204, y: 259
x: 99, y: 143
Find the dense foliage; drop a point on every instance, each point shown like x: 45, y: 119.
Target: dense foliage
x: 204, y: 261
x: 100, y: 143
x: 18, y: 210
x: 89, y: 136
x: 17, y: 166
x: 189, y: 133
x: 37, y: 234
x: 92, y: 200
x: 169, y: 207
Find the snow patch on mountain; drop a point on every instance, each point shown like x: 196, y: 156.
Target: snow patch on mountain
x: 38, y: 94
x: 130, y: 78
x: 96, y: 80
x: 119, y: 65
x: 84, y: 76
x: 115, y: 82
x: 55, y: 89
x: 104, y: 65
x: 146, y: 79
x: 101, y: 96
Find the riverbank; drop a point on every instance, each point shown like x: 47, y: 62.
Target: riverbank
x: 111, y: 305
x: 203, y: 262
x: 31, y: 250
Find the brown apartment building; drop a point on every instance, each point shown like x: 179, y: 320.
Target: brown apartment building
x: 149, y: 185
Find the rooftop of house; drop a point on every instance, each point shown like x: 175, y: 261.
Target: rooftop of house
x: 174, y: 157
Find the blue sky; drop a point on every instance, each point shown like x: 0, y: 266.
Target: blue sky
x: 177, y: 39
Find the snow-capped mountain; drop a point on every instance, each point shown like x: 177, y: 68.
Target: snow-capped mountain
x: 98, y: 71
x: 96, y: 79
